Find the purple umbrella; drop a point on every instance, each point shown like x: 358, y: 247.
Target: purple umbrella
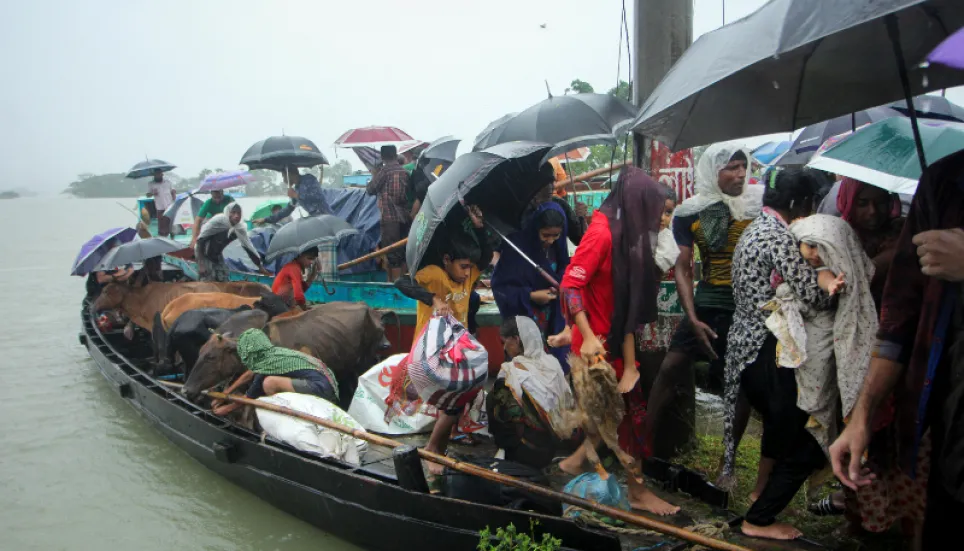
x: 94, y: 250
x: 225, y: 180
x: 950, y: 52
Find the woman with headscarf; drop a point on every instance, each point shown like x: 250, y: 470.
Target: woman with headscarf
x: 768, y: 251
x: 216, y: 234
x: 519, y: 289
x: 609, y: 290
x: 874, y: 214
x: 528, y: 405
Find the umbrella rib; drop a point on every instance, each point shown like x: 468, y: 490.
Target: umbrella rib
x: 803, y: 70
x: 687, y: 119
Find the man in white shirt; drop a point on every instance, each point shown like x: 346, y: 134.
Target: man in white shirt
x: 163, y: 193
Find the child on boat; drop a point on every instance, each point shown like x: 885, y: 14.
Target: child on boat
x: 443, y: 288
x: 288, y: 283
x: 529, y: 402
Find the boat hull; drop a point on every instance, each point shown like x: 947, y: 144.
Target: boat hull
x: 344, y: 501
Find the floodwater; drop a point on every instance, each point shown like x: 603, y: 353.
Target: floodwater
x: 79, y: 468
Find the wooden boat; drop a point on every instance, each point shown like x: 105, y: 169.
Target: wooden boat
x: 363, y: 505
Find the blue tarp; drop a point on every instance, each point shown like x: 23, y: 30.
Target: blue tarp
x: 353, y: 205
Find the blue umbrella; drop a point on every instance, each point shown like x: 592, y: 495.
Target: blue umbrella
x: 769, y: 151
x: 147, y: 167
x: 94, y: 250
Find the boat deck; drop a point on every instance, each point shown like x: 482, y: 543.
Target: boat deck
x: 703, y: 506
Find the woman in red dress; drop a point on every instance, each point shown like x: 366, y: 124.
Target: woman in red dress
x: 609, y: 290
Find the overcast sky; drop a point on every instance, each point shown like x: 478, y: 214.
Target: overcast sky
x: 95, y: 85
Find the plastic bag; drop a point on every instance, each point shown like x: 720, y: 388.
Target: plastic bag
x: 368, y: 405
x: 310, y: 437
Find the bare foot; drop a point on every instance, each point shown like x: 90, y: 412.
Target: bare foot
x: 433, y: 469
x: 776, y: 531
x: 646, y: 500
x: 574, y: 465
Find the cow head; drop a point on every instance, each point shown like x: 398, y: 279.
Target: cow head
x: 111, y: 297
x: 217, y: 362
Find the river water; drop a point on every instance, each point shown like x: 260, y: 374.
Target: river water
x: 79, y: 468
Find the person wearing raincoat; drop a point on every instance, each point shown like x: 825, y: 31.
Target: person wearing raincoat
x: 216, y: 234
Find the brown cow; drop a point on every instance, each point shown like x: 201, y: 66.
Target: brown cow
x: 141, y: 303
x: 270, y: 303
x: 347, y: 336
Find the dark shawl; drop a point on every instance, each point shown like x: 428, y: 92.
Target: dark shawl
x: 514, y: 278
x: 634, y: 209
x: 912, y: 303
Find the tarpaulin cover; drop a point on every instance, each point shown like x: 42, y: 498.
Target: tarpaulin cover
x: 353, y: 205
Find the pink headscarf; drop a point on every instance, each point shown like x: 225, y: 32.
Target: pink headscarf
x: 847, y: 200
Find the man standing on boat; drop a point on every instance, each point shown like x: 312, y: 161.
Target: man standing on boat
x: 390, y: 185
x: 163, y: 193
x: 303, y: 190
x: 213, y: 206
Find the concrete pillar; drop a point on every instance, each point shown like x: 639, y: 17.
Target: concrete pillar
x: 663, y: 31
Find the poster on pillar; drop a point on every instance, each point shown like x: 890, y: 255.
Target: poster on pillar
x: 673, y: 169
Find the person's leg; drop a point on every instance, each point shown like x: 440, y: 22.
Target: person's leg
x: 672, y: 384
x: 785, y: 480
x: 575, y: 464
x: 274, y: 384
x: 642, y: 498
x: 475, y: 302
x: 439, y: 440
x: 163, y: 226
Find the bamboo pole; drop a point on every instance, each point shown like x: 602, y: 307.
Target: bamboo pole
x: 591, y: 174
x: 374, y: 254
x: 493, y: 476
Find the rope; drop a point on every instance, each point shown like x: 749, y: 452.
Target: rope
x: 708, y: 529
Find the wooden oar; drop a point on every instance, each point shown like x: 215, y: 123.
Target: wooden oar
x: 380, y: 252
x: 474, y: 470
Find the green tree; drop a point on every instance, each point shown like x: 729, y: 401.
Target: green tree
x: 578, y: 86
x: 335, y: 174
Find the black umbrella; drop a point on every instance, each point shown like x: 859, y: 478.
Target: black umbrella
x: 793, y: 63
x: 147, y: 167
x: 301, y: 234
x: 932, y: 107
x: 484, y: 134
x: 813, y: 136
x: 432, y: 162
x: 138, y: 251
x: 500, y: 180
x: 278, y: 152
x: 566, y: 122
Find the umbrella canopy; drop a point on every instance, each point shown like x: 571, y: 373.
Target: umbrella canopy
x: 94, y: 250
x: 264, y: 209
x: 769, y: 151
x: 798, y: 62
x: 884, y: 154
x: 950, y: 52
x: 432, y: 162
x: 138, y: 251
x: 566, y: 122
x: 500, y: 180
x: 147, y: 167
x: 375, y: 136
x: 304, y: 233
x: 185, y: 208
x: 932, y: 107
x: 484, y: 134
x: 225, y: 180
x: 277, y: 152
